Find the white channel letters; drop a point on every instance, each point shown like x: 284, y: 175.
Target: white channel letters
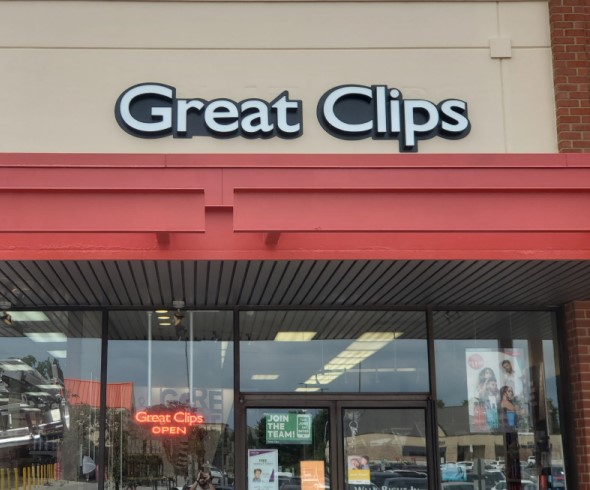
x: 378, y: 112
x: 152, y: 110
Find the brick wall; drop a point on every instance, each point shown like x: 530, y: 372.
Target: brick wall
x: 578, y: 358
x: 570, y: 38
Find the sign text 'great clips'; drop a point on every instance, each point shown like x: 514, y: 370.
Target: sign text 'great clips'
x: 172, y: 423
x: 152, y: 110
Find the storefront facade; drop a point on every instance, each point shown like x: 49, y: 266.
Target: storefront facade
x: 294, y: 245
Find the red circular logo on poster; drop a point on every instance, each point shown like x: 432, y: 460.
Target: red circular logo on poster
x: 475, y: 361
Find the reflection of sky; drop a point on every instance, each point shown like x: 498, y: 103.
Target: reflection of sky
x: 82, y: 360
x: 296, y: 362
x: 170, y: 361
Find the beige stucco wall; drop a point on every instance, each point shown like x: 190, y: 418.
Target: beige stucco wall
x: 63, y: 65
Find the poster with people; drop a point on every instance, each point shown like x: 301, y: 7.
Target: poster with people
x: 497, y: 390
x: 263, y: 466
x: 358, y: 470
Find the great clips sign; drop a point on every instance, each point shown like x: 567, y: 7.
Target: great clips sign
x: 152, y: 110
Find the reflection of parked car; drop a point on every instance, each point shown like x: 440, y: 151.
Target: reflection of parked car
x: 468, y: 465
x: 409, y: 473
x: 451, y: 485
x: 378, y: 477
x: 216, y: 475
x: 490, y: 477
x: 453, y: 472
x: 526, y: 485
x: 404, y: 483
x: 557, y: 477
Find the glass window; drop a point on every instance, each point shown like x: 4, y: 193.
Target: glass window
x: 333, y: 351
x: 385, y: 448
x: 498, y: 410
x: 49, y: 397
x: 288, y: 448
x: 170, y: 398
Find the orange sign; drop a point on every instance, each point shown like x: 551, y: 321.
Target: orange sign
x: 312, y: 475
x: 169, y: 423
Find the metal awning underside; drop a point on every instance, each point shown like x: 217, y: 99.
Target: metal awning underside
x: 346, y: 283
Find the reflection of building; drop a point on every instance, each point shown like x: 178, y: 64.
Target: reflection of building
x: 33, y: 411
x: 85, y: 392
x: 458, y: 443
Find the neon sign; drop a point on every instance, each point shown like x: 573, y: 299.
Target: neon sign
x: 175, y: 423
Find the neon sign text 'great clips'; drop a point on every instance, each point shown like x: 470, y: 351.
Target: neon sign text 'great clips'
x: 169, y: 423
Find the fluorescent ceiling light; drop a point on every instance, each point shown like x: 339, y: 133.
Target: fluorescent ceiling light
x: 325, y: 379
x: 264, y: 377
x: 46, y: 336
x: 295, y: 336
x: 364, y: 347
x: 29, y: 316
x: 406, y: 370
x: 58, y: 354
x: 345, y: 354
x: 161, y: 312
x: 379, y: 336
x: 306, y: 388
x: 163, y: 318
x: 165, y: 324
x: 224, y: 344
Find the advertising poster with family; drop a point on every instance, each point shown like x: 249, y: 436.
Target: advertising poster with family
x: 263, y: 466
x: 497, y: 388
x: 358, y: 470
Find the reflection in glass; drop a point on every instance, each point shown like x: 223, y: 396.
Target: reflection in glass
x: 333, y: 351
x: 48, y: 425
x: 288, y: 448
x: 385, y: 447
x: 498, y: 418
x: 170, y: 408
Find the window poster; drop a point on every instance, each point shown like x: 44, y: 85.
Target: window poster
x: 497, y: 388
x: 312, y: 475
x: 263, y: 465
x: 358, y: 470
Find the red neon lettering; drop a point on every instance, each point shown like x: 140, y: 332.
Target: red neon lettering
x: 172, y: 430
x: 182, y: 418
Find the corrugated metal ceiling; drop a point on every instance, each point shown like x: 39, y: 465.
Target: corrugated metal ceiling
x: 348, y: 283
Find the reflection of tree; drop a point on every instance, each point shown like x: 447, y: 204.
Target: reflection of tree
x: 78, y: 440
x: 553, y: 417
x: 116, y: 440
x: 44, y: 367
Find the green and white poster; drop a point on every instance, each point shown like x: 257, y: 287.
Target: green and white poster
x: 288, y: 428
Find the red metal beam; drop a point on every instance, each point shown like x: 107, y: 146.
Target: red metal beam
x: 99, y: 211
x: 411, y: 210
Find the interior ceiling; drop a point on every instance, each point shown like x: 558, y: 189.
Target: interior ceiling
x: 347, y: 283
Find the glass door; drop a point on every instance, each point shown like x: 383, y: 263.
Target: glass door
x: 385, y: 448
x: 339, y: 445
x: 288, y: 448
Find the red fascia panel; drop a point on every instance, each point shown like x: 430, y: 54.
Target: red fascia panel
x: 301, y: 160
x: 411, y: 211
x: 113, y: 210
